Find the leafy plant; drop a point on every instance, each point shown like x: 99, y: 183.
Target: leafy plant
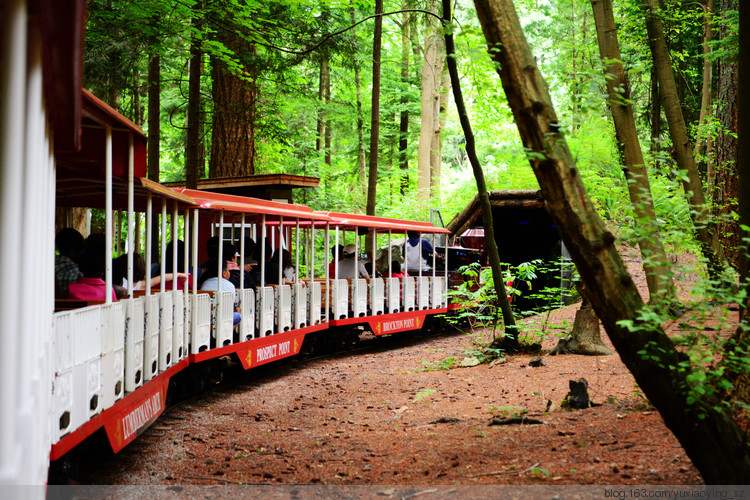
x: 423, y: 394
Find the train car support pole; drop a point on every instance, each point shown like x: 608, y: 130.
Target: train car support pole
x: 175, y: 238
x: 242, y: 252
x: 219, y: 277
x: 108, y: 214
x: 131, y: 211
x: 149, y: 238
x: 327, y: 269
x: 163, y: 247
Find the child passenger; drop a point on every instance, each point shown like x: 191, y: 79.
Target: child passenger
x: 91, y: 286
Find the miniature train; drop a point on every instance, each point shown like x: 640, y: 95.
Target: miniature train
x: 114, y: 360
x: 70, y: 368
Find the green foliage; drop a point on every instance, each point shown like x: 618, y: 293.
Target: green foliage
x: 443, y: 364
x: 508, y: 411
x: 423, y: 395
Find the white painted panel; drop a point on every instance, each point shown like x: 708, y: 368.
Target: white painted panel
x: 393, y: 295
x: 200, y: 334
x: 178, y: 326
x: 223, y: 318
x: 340, y: 298
x: 166, y: 325
x: 408, y: 293
x: 359, y: 297
x: 247, y: 306
x: 423, y: 292
x: 377, y: 296
x: 283, y: 308
x: 314, y: 301
x: 265, y: 310
x: 151, y: 337
x: 299, y: 305
x: 134, y: 335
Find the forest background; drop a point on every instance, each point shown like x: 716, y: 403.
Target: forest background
x: 287, y: 87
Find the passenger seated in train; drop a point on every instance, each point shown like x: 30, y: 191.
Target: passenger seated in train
x: 91, y: 285
x: 396, y: 271
x: 69, y: 243
x: 210, y: 282
x: 412, y: 260
x: 249, y: 267
x: 368, y: 268
x: 338, y: 254
x: 346, y: 265
x: 120, y: 270
x: 288, y: 272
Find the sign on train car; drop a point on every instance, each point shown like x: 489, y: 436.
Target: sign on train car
x: 271, y: 348
x: 129, y: 423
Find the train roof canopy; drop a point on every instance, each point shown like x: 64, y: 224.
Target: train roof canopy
x: 87, y: 192
x: 90, y: 159
x: 252, y: 206
x: 381, y: 224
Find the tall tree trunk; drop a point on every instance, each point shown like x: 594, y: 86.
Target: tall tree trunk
x: 154, y: 121
x: 510, y: 340
x: 655, y: 264
x: 430, y: 102
x: 372, y: 181
x: 435, y: 151
x: 362, y: 156
x: 726, y: 187
x: 699, y: 210
x: 328, y: 135
x: 710, y: 437
x: 193, y: 141
x: 235, y: 100
x: 655, y: 112
x: 437, y: 167
x: 706, y: 91
x: 403, y: 129
x: 324, y: 97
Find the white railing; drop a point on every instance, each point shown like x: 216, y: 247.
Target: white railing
x: 299, y: 305
x: 113, y: 353
x: 314, y: 301
x: 200, y: 333
x: 393, y: 295
x: 151, y: 337
x: 178, y: 326
x: 223, y: 318
x: 283, y: 308
x: 265, y: 311
x: 166, y: 326
x: 77, y: 383
x: 377, y: 296
x: 134, y: 337
x: 339, y: 298
x: 423, y: 292
x: 439, y: 296
x: 247, y: 306
x: 359, y: 297
x: 408, y: 293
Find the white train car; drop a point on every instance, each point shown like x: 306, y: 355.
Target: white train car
x: 384, y: 303
x: 40, y: 53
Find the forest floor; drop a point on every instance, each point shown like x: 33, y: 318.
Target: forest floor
x: 404, y: 412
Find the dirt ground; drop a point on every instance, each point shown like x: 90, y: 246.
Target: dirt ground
x: 394, y: 413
